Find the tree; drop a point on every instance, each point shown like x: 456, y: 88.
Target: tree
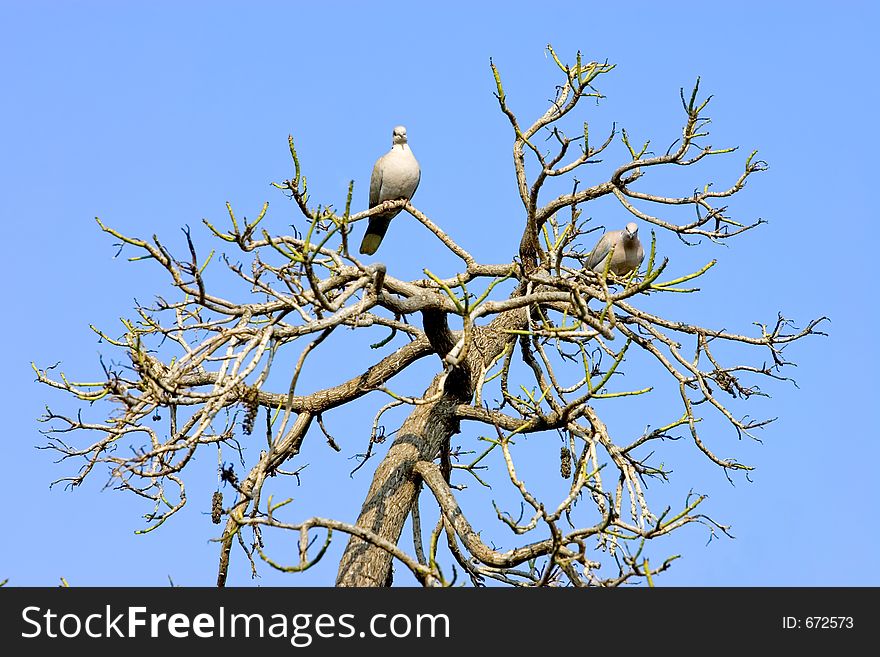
x: 207, y: 362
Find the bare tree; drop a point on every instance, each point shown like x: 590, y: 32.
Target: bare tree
x: 205, y: 359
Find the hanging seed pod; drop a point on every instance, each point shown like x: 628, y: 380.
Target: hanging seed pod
x: 251, y: 403
x: 565, y: 463
x: 216, y: 507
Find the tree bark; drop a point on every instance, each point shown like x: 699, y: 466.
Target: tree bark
x: 394, y: 487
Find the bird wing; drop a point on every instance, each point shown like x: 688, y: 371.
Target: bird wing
x: 602, y: 249
x: 376, y: 181
x: 418, y: 180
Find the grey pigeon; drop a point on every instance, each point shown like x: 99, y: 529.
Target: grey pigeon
x: 395, y: 175
x: 628, y: 252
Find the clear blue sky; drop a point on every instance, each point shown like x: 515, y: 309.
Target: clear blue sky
x: 153, y: 117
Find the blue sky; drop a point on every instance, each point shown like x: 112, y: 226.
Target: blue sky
x: 153, y: 117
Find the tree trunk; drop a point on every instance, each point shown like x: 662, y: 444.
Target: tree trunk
x: 394, y: 487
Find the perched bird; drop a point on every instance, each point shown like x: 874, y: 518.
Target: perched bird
x: 628, y: 252
x: 395, y: 175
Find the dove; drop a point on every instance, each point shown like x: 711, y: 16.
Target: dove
x: 395, y: 175
x: 628, y: 252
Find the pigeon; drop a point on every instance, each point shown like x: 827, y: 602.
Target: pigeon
x: 628, y: 252
x: 395, y: 175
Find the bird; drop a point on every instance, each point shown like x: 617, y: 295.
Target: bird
x: 628, y: 252
x: 395, y: 176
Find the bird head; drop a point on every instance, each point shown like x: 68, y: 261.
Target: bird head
x: 631, y: 230
x: 398, y: 135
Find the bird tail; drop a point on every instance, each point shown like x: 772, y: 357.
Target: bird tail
x: 375, y: 232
